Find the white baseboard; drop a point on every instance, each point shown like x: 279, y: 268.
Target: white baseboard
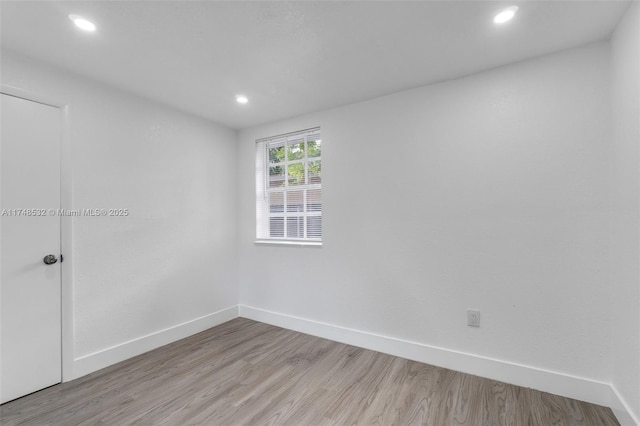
x: 557, y: 383
x: 104, y: 358
x: 621, y: 409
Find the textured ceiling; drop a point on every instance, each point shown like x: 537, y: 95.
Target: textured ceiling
x: 291, y: 58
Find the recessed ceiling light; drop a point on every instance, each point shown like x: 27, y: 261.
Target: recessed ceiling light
x: 82, y: 23
x: 242, y: 99
x: 505, y: 15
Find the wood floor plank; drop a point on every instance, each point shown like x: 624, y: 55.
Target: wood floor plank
x: 248, y: 373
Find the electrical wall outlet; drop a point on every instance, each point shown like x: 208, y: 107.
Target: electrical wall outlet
x: 473, y: 318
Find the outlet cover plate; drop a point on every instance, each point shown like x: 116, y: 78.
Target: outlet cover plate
x: 473, y: 318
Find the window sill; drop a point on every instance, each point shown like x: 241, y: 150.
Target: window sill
x: 288, y: 243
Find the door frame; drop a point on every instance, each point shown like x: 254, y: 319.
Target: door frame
x: 66, y: 267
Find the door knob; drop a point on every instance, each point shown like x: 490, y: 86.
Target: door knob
x: 50, y: 259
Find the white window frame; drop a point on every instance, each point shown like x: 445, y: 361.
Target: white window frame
x: 264, y: 189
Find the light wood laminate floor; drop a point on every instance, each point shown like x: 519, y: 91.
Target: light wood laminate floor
x: 248, y: 373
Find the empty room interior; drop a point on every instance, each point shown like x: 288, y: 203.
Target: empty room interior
x: 320, y: 212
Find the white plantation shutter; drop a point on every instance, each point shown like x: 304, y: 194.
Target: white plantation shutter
x: 289, y: 187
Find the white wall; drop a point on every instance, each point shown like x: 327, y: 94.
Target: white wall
x: 625, y: 190
x: 485, y: 192
x: 166, y: 264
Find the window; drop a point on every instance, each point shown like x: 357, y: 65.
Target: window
x: 289, y: 187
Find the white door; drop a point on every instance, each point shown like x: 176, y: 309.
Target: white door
x: 30, y: 306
